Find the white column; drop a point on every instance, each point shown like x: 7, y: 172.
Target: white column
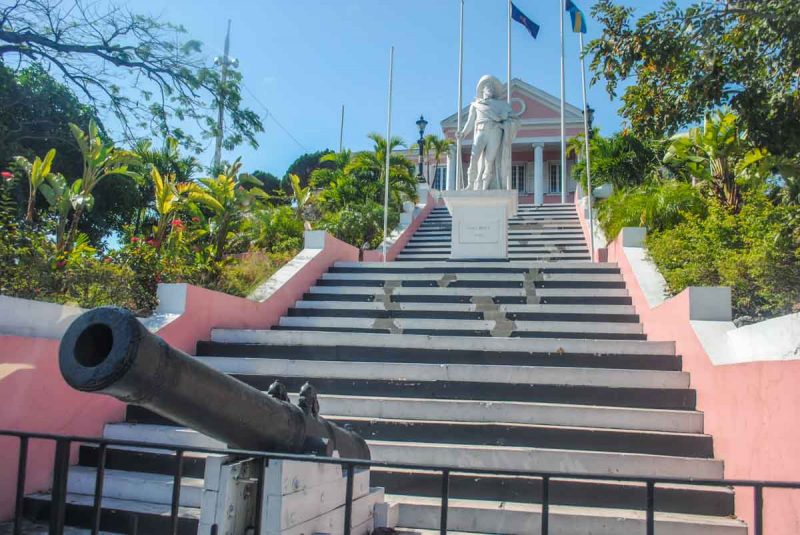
x: 451, y: 169
x: 538, y: 173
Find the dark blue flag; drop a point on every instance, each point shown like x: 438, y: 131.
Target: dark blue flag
x: 520, y: 17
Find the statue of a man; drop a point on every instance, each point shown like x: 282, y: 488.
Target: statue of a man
x: 494, y: 129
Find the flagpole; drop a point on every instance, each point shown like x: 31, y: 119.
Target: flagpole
x: 508, y: 86
x: 459, y: 163
x: 508, y: 78
x: 562, y: 8
x: 341, y: 130
x: 586, y: 144
x: 388, y: 153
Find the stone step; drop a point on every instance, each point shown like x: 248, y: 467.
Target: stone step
x: 482, y: 412
x: 454, y: 343
x: 137, y: 486
x: 482, y: 267
x: 427, y: 430
x: 533, y: 239
x: 543, y: 256
x: 531, y: 459
x: 468, y: 292
x: 493, y: 277
x: 687, y: 499
x: 539, y: 312
x: 562, y: 437
x: 437, y: 356
x: 513, y: 251
x: 122, y: 516
x: 479, y: 516
x: 573, y: 462
x: 450, y: 281
x: 469, y: 373
x: 614, y: 331
x: 151, y: 462
x: 642, y: 398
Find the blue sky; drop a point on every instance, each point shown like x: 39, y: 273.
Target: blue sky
x: 303, y: 59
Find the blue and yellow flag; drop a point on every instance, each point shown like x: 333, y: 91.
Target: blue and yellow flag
x: 577, y: 16
x: 520, y: 17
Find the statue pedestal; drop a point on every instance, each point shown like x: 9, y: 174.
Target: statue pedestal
x: 480, y: 223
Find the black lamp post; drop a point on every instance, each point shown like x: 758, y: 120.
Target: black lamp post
x: 421, y: 124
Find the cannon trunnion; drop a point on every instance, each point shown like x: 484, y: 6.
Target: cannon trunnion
x: 108, y: 351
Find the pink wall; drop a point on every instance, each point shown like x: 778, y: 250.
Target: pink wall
x: 35, y: 397
x: 750, y: 409
x: 206, y: 309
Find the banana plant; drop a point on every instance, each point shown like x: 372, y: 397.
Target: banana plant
x: 37, y: 173
x: 100, y: 160
x: 169, y: 196
x: 226, y: 196
x: 300, y: 197
x: 62, y: 198
x: 717, y: 155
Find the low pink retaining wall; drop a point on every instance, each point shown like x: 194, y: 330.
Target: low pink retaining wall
x: 206, y: 309
x: 600, y: 254
x: 751, y: 409
x: 36, y: 398
x: 401, y: 241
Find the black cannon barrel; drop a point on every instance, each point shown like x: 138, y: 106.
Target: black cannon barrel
x: 108, y: 351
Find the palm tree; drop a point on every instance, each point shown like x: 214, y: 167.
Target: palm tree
x: 715, y: 155
x: 440, y: 146
x: 369, y: 169
x: 428, y: 144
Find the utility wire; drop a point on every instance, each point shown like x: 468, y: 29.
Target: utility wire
x: 270, y: 115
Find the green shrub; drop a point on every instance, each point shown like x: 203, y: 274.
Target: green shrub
x: 756, y: 253
x: 360, y: 224
x: 657, y: 206
x: 242, y: 276
x: 280, y: 230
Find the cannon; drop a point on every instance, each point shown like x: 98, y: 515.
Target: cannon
x: 108, y: 351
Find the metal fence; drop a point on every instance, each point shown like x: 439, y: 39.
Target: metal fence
x: 63, y: 445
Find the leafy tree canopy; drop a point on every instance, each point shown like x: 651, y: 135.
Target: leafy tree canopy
x: 685, y: 62
x: 97, y: 49
x: 303, y: 166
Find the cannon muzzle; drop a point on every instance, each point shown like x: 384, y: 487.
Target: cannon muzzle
x: 108, y: 351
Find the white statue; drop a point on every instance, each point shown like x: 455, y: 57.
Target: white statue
x: 494, y: 130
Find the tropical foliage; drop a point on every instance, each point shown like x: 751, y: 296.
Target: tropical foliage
x: 719, y: 211
x: 679, y: 62
x: 223, y: 232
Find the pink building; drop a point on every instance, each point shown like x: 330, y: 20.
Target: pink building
x: 536, y: 155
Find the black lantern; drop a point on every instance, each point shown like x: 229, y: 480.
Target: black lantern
x: 421, y: 124
x: 590, y: 120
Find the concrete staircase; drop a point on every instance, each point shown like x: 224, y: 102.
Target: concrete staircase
x: 539, y: 363
x: 550, y: 232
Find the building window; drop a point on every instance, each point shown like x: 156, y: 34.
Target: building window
x: 555, y: 177
x: 518, y: 178
x: 440, y: 178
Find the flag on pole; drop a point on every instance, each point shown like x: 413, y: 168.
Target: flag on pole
x: 520, y: 17
x: 577, y: 16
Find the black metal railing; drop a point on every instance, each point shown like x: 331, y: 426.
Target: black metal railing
x: 63, y: 445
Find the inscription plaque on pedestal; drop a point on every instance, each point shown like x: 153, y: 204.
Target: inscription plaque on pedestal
x: 480, y: 223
